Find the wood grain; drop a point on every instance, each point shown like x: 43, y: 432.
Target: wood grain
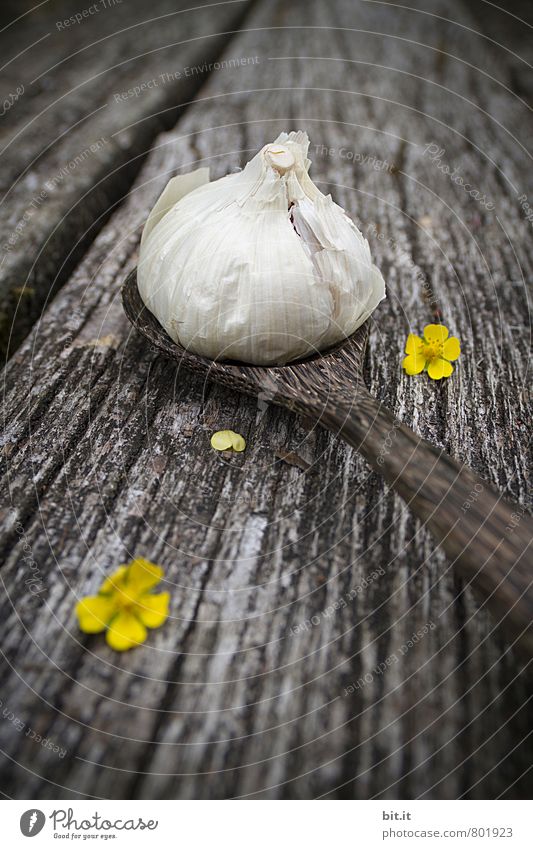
x: 276, y: 675
x: 95, y: 94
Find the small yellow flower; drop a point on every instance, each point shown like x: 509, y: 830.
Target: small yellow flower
x: 434, y: 353
x: 224, y: 440
x: 124, y: 606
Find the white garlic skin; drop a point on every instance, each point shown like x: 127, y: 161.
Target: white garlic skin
x: 258, y: 266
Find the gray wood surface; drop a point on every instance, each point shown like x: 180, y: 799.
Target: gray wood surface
x: 95, y: 93
x: 278, y: 675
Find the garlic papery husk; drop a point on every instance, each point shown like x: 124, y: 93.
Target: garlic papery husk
x: 258, y: 266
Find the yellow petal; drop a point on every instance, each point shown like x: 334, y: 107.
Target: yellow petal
x: 439, y: 368
x: 414, y: 364
x: 94, y: 613
x: 114, y: 581
x: 237, y: 442
x: 142, y: 575
x: 152, y: 610
x: 221, y: 440
x: 413, y: 344
x: 452, y: 348
x: 125, y: 631
x: 435, y: 333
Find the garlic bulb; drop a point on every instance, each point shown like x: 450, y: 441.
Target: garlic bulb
x: 258, y: 266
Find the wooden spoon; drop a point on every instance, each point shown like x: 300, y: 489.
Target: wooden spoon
x: 486, y: 538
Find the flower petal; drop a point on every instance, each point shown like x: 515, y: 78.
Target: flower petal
x: 414, y: 344
x: 237, y: 441
x: 414, y: 364
x: 452, y: 348
x: 114, y: 581
x: 94, y: 613
x: 221, y: 440
x: 125, y: 631
x: 435, y: 333
x: 142, y: 575
x: 439, y: 368
x: 152, y: 610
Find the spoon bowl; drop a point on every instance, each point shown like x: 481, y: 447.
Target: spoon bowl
x: 347, y: 356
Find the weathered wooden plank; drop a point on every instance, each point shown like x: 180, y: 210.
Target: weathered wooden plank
x: 249, y: 690
x: 95, y: 94
x: 510, y: 28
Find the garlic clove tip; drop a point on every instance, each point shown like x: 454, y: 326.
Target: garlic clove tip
x: 280, y: 158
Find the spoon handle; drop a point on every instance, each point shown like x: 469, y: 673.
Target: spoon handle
x: 487, y: 539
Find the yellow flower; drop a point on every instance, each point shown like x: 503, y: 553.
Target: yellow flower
x: 223, y: 440
x: 124, y: 606
x: 435, y: 352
